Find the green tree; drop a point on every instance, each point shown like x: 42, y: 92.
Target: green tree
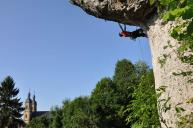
x: 125, y: 79
x: 127, y: 100
x: 105, y: 104
x: 39, y: 122
x: 78, y: 114
x: 56, y: 118
x: 143, y: 108
x: 141, y: 69
x: 10, y: 105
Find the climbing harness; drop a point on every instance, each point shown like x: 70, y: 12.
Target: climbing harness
x: 133, y: 35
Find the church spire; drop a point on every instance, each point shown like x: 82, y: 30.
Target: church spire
x: 28, y: 108
x: 28, y: 100
x: 34, y: 98
x: 34, y: 103
x: 29, y: 95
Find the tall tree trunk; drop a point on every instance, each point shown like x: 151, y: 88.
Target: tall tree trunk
x: 175, y: 93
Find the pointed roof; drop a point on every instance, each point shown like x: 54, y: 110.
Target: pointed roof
x: 34, y: 99
x: 28, y: 100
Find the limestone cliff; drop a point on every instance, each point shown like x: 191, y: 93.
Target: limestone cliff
x: 131, y: 12
x: 174, y: 90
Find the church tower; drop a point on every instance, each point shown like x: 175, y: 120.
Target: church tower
x: 28, y: 109
x: 34, y: 104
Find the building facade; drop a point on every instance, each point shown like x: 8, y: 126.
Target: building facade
x: 30, y: 111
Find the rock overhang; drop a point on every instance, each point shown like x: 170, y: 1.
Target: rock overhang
x: 130, y: 12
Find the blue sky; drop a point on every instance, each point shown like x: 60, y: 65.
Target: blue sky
x: 58, y: 51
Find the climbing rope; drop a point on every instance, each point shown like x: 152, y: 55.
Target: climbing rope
x: 141, y: 49
x: 143, y: 59
x: 122, y: 29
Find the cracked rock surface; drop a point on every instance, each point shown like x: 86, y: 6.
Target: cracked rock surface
x: 130, y: 12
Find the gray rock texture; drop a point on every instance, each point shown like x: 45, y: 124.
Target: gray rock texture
x: 178, y: 91
x: 131, y: 12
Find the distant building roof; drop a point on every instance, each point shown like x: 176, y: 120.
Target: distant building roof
x: 40, y: 113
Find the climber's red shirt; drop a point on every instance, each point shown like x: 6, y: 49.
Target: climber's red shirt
x: 125, y: 34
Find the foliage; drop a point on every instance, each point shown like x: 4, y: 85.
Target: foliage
x: 125, y: 78
x: 141, y: 69
x: 144, y: 106
x: 177, y: 8
x: 152, y: 2
x: 127, y: 100
x: 106, y: 104
x: 39, y: 122
x: 185, y: 121
x: 56, y: 118
x: 78, y: 114
x: 137, y: 126
x: 180, y: 11
x: 10, y: 106
x: 162, y: 59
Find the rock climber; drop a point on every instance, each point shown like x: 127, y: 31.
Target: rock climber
x: 133, y: 34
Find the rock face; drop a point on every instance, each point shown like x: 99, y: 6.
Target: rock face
x: 175, y: 93
x: 131, y: 12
